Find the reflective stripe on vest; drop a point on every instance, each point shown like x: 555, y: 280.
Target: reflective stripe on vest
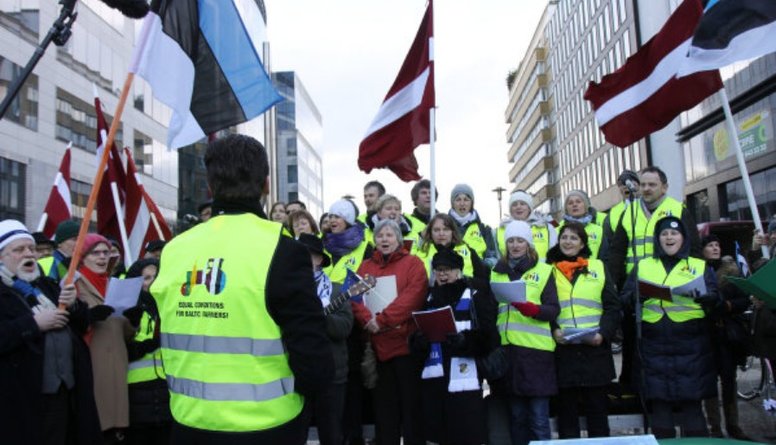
x: 580, y: 303
x: 231, y: 392
x: 350, y: 261
x: 461, y: 249
x: 541, y: 240
x: 645, y: 228
x: 226, y: 367
x: 651, y: 269
x: 149, y: 367
x: 517, y: 329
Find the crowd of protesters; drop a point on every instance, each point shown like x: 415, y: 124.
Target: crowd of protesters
x: 74, y: 371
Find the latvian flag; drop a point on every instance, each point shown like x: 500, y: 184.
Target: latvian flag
x: 59, y: 206
x: 402, y: 123
x: 202, y: 59
x: 731, y: 31
x: 645, y: 95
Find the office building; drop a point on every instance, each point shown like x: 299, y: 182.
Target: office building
x: 299, y: 139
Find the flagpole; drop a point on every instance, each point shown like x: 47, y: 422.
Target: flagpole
x: 42, y: 223
x: 733, y: 136
x: 122, y: 226
x: 158, y: 228
x: 79, y: 244
x: 432, y: 118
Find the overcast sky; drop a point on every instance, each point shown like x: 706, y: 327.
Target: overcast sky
x: 347, y: 54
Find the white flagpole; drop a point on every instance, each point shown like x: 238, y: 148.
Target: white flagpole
x: 733, y: 135
x: 42, y: 223
x: 122, y: 228
x: 158, y: 228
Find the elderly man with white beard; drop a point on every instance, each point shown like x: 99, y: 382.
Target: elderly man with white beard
x: 45, y: 372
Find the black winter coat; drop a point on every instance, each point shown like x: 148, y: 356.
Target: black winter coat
x: 531, y: 372
x: 460, y: 417
x: 581, y: 365
x: 677, y: 358
x: 339, y: 323
x: 21, y: 371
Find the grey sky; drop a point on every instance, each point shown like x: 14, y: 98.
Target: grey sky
x: 347, y: 53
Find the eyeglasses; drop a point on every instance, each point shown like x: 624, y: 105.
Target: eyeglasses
x: 445, y: 270
x: 100, y: 253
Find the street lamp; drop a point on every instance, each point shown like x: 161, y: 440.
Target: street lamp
x: 499, y: 191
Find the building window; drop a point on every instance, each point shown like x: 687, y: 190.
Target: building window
x: 77, y: 122
x: 24, y: 107
x: 736, y: 206
x: 293, y: 175
x: 143, y: 153
x: 12, y: 177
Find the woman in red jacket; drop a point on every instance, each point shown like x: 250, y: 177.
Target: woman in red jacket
x: 397, y: 395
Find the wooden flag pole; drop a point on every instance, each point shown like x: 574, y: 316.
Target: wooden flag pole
x: 79, y: 244
x: 733, y: 136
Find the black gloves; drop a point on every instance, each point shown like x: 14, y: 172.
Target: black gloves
x: 711, y: 304
x: 419, y: 344
x: 150, y: 345
x: 133, y: 314
x: 99, y: 313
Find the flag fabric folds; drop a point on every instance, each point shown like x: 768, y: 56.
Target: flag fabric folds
x: 202, y: 59
x: 731, y: 31
x: 743, y: 265
x: 109, y: 218
x: 402, y: 123
x: 644, y: 95
x: 59, y: 206
x: 141, y: 212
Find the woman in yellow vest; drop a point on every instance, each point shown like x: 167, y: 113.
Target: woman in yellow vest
x: 440, y: 232
x: 389, y: 207
x: 676, y: 352
x: 150, y: 419
x: 542, y: 230
x: 345, y: 242
x: 526, y: 336
x: 472, y: 231
x: 577, y: 208
x: 588, y: 302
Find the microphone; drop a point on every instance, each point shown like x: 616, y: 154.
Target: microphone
x: 190, y: 218
x: 631, y: 185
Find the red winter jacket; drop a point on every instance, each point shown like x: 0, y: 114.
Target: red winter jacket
x: 395, y: 320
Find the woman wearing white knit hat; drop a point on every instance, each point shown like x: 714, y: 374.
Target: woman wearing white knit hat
x: 578, y: 209
x: 521, y: 209
x: 526, y: 336
x: 345, y: 243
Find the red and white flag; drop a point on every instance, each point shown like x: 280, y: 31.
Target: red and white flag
x: 645, y: 95
x: 59, y: 206
x: 144, y: 221
x: 402, y: 123
x: 111, y: 196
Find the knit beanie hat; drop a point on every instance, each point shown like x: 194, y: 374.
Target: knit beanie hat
x: 709, y: 239
x: 521, y: 195
x: 580, y: 194
x: 670, y: 222
x: 519, y: 229
x: 626, y: 175
x: 91, y: 240
x: 41, y: 239
x: 12, y: 230
x: 447, y: 257
x: 462, y: 189
x: 66, y: 230
x: 345, y: 210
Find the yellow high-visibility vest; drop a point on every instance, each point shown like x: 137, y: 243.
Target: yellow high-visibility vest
x: 227, y: 368
x: 644, y: 232
x: 149, y: 367
x: 683, y: 308
x: 580, y: 303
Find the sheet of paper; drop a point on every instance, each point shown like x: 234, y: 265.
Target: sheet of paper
x: 381, y: 295
x: 579, y: 335
x: 511, y: 292
x: 435, y: 324
x: 123, y: 294
x: 690, y: 289
x: 623, y: 440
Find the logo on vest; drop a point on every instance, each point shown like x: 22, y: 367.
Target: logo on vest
x: 533, y: 276
x: 212, y: 277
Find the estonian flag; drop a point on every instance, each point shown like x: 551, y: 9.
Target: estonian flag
x: 202, y: 59
x: 731, y: 31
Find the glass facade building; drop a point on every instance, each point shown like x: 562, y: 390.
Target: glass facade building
x: 299, y: 142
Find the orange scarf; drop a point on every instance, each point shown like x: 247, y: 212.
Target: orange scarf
x: 568, y: 268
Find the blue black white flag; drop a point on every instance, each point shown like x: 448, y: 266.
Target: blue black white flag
x: 350, y: 280
x: 202, y: 59
x: 731, y: 31
x: 743, y: 266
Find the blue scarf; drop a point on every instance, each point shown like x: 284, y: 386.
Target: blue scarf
x: 340, y: 244
x: 32, y: 295
x: 585, y: 220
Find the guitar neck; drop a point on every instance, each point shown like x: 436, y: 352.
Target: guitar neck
x: 336, y: 302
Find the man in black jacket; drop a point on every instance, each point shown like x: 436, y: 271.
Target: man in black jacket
x: 238, y: 295
x: 45, y: 371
